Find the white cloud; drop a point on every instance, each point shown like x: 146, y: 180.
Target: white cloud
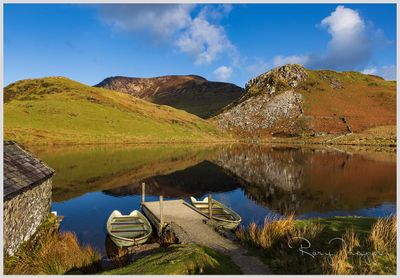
x: 200, y: 36
x: 282, y: 60
x: 349, y: 48
x: 204, y: 41
x: 159, y: 20
x: 371, y: 70
x: 223, y: 73
x: 343, y: 23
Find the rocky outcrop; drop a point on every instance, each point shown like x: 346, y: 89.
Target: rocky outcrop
x: 263, y: 114
x: 269, y: 104
x: 276, y: 80
x: 191, y: 93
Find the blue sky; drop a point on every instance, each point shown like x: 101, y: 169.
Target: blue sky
x: 230, y: 43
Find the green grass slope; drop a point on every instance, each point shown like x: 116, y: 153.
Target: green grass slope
x: 57, y: 110
x: 180, y: 260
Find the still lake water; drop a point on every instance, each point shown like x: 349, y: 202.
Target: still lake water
x: 255, y: 180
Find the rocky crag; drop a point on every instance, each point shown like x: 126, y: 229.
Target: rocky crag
x: 294, y: 101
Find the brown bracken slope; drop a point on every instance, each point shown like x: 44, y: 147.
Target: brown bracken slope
x: 191, y: 93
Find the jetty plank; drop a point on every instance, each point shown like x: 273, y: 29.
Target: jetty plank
x: 191, y: 222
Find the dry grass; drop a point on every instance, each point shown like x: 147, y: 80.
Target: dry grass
x: 275, y: 230
x: 340, y: 263
x: 52, y: 253
x: 383, y: 234
x: 352, y: 257
x: 370, y: 252
x: 272, y: 230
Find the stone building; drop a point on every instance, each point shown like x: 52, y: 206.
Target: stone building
x: 27, y: 195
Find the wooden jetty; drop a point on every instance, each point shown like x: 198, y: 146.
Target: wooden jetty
x: 188, y: 224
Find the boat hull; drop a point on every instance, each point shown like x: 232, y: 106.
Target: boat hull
x: 127, y: 243
x: 122, y: 241
x: 224, y: 223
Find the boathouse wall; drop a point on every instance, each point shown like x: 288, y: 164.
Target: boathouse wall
x: 27, y: 195
x: 23, y: 214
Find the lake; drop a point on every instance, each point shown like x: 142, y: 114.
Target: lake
x: 256, y: 180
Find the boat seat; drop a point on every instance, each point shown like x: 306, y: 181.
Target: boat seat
x: 116, y: 220
x: 127, y: 218
x: 206, y: 208
x: 127, y: 227
x: 128, y: 231
x: 127, y: 223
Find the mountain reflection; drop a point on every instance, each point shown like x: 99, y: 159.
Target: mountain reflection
x: 296, y: 179
x: 304, y: 180
x: 193, y: 181
x: 280, y: 178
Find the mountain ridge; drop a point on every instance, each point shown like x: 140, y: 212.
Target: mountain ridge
x: 191, y: 93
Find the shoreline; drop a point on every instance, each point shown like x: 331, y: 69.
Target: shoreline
x: 273, y: 140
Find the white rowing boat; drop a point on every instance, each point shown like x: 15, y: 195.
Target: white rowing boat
x: 228, y: 218
x: 128, y: 230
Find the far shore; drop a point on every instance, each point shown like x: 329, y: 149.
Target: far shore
x: 361, y: 141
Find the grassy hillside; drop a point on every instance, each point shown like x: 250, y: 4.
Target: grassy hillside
x: 57, y: 110
x: 191, y: 93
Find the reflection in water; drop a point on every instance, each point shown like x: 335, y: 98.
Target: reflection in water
x: 83, y: 169
x: 192, y: 181
x: 305, y: 180
x: 255, y: 180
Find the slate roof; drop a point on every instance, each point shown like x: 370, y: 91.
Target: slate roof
x: 22, y: 170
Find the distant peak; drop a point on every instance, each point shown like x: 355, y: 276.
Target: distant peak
x: 119, y: 77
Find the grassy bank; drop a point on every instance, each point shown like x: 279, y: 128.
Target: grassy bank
x: 180, y: 260
x: 49, y: 252
x: 380, y: 136
x: 340, y: 245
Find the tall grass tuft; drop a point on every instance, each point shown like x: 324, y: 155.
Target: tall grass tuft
x: 383, y: 234
x: 380, y: 245
x: 53, y: 253
x: 274, y: 230
x: 342, y: 263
